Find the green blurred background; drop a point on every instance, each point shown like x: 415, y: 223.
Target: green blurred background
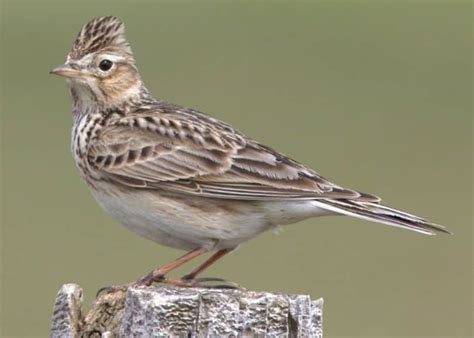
x: 375, y: 95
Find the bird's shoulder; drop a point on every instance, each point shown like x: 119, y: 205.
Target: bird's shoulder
x: 177, y: 123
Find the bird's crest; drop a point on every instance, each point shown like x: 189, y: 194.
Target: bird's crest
x: 100, y: 33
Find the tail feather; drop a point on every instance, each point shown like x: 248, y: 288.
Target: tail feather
x: 379, y: 213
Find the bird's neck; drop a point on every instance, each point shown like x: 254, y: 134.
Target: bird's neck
x: 87, y: 100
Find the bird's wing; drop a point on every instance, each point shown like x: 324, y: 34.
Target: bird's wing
x: 196, y: 154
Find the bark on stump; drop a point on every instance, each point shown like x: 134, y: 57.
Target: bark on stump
x: 186, y: 312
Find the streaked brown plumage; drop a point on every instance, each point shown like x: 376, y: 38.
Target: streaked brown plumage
x: 180, y: 177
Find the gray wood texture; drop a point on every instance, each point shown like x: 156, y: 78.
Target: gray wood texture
x: 186, y: 312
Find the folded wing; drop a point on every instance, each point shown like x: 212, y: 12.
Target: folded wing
x: 188, y: 152
x: 194, y: 155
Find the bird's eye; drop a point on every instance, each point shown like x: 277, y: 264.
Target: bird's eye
x: 105, y: 65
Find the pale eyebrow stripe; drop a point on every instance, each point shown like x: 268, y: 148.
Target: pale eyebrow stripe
x: 112, y: 57
x: 87, y: 59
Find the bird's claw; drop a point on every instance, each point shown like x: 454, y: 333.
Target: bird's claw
x: 142, y: 282
x: 201, y: 283
x: 112, y: 289
x: 183, y: 282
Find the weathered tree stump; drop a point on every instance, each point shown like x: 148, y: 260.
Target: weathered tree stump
x: 186, y: 312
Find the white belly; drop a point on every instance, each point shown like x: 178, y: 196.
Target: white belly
x: 190, y: 222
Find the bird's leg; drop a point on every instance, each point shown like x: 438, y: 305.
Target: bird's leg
x: 190, y: 280
x: 207, y: 263
x: 157, y: 275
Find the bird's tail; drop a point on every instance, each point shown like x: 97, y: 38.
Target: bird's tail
x: 375, y: 212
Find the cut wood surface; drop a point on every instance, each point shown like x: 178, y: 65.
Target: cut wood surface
x: 186, y: 312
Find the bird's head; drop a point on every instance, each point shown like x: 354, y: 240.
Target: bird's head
x: 100, y: 69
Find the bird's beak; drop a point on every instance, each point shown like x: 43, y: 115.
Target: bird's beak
x: 66, y: 70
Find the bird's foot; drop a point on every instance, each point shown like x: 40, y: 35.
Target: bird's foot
x: 205, y: 282
x: 112, y: 289
x: 185, y: 281
x: 142, y: 282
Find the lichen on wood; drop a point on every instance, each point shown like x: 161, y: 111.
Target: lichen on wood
x: 188, y: 312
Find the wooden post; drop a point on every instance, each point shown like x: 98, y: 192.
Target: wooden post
x: 186, y: 312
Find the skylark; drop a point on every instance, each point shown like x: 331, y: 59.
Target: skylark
x: 180, y: 177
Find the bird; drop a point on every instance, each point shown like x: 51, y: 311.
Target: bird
x: 182, y: 178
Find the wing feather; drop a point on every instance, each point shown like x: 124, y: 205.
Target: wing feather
x: 189, y: 152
